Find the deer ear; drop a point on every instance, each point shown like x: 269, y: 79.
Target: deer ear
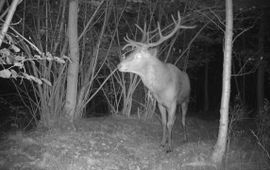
x: 153, y: 52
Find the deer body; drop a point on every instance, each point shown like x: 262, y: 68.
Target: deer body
x: 167, y: 83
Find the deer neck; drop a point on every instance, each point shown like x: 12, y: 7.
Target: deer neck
x: 154, y: 75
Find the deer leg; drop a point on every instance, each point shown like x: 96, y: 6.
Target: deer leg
x: 171, y: 119
x: 162, y: 110
x: 184, y: 107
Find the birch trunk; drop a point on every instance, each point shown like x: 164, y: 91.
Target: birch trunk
x: 220, y: 146
x: 73, y: 68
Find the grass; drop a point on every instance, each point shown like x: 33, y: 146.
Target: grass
x: 129, y: 144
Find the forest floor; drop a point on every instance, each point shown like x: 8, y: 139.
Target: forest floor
x: 117, y: 143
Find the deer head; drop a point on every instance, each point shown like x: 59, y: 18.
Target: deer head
x: 145, y: 51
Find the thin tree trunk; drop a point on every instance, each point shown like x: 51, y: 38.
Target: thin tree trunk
x: 260, y: 87
x: 9, y: 17
x: 73, y: 68
x: 206, y: 98
x: 261, y: 69
x: 220, y: 146
x: 244, y: 89
x: 244, y: 76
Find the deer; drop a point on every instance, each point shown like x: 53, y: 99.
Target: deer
x: 169, y: 85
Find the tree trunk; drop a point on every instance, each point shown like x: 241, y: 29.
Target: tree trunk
x: 73, y: 68
x: 9, y: 17
x: 220, y: 146
x: 206, y: 98
x: 261, y: 68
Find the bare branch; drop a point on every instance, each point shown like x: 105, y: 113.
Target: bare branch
x: 9, y: 17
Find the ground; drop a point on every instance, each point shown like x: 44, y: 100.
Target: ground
x: 117, y: 143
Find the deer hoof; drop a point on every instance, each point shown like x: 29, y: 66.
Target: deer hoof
x: 168, y: 150
x: 162, y: 145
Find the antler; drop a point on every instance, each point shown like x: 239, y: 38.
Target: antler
x: 137, y: 44
x: 145, y: 39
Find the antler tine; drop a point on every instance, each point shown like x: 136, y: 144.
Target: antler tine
x: 184, y: 26
x: 145, y: 34
x: 177, y: 26
x: 162, y: 37
x: 134, y: 43
x: 179, y: 17
x: 142, y: 30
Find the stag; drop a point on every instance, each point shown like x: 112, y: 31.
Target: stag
x: 169, y: 85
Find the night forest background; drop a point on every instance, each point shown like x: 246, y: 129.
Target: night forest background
x: 35, y: 54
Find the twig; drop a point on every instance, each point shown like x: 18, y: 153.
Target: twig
x: 31, y: 44
x: 260, y: 144
x: 8, y: 19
